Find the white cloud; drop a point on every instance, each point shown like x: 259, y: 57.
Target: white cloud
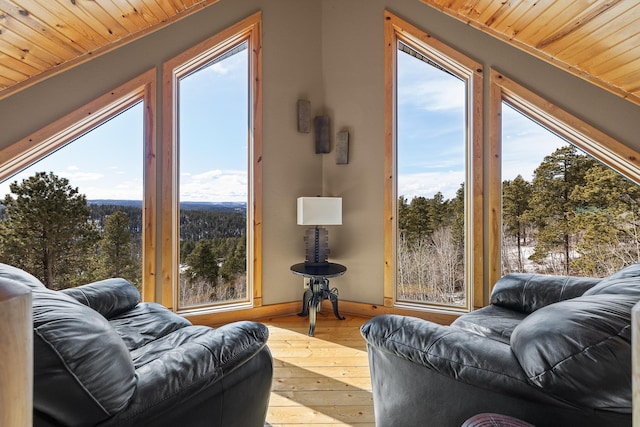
x: 524, y: 145
x: 76, y: 177
x: 429, y: 183
x: 126, y: 190
x: 214, y: 186
x: 220, y: 68
x: 434, y: 95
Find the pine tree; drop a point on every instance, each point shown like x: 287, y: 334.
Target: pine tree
x: 457, y: 217
x: 235, y: 260
x: 608, y: 222
x: 551, y: 206
x: 47, y: 231
x: 403, y: 211
x: 418, y: 219
x: 116, y: 258
x: 202, y: 263
x: 515, y: 203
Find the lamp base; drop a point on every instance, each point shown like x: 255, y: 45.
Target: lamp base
x: 317, y: 246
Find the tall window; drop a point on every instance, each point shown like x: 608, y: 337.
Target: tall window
x: 431, y: 93
x: 567, y: 206
x: 73, y: 203
x: 563, y: 212
x: 525, y: 148
x: 212, y: 148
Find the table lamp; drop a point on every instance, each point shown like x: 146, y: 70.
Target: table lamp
x: 318, y: 211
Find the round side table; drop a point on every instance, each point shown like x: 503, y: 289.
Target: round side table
x: 318, y: 290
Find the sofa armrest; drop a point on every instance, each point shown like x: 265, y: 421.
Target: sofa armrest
x: 526, y: 293
x: 108, y: 297
x: 450, y: 351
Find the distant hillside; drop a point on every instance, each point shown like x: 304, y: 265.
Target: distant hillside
x: 192, y: 206
x: 197, y: 220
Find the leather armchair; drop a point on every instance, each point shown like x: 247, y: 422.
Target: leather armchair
x: 103, y: 358
x: 549, y: 350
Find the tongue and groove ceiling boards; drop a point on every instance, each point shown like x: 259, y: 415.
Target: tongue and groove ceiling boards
x: 39, y: 38
x: 598, y: 40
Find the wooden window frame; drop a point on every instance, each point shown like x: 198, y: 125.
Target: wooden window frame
x: 602, y: 147
x: 396, y: 29
x: 248, y: 30
x: 65, y: 130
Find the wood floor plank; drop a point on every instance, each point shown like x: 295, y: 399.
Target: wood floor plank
x: 312, y: 360
x: 301, y: 352
x: 322, y: 380
x: 335, y: 415
x: 320, y: 383
x: 317, y: 398
x: 314, y: 371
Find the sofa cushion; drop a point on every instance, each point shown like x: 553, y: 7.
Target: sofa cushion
x: 528, y: 292
x: 579, y: 350
x: 147, y: 322
x: 108, y: 297
x: 625, y: 281
x: 493, y: 322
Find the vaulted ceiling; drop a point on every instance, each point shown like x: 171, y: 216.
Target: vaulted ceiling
x: 39, y: 38
x: 597, y: 40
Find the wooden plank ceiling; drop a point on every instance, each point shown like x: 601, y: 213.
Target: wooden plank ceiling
x: 598, y: 40
x: 39, y: 38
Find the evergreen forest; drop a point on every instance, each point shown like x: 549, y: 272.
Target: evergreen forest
x: 574, y: 217
x: 48, y: 228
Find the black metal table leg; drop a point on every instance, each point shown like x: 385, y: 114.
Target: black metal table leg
x: 333, y: 295
x: 306, y: 299
x: 313, y: 307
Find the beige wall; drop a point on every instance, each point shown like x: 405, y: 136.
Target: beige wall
x: 330, y: 52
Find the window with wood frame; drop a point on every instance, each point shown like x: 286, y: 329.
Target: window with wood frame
x: 91, y: 175
x: 211, y: 192
x: 564, y: 196
x: 433, y: 197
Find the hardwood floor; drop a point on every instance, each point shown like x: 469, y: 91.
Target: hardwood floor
x: 321, y: 380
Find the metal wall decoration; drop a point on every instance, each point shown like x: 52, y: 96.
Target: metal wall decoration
x: 342, y: 148
x: 304, y: 116
x: 321, y: 130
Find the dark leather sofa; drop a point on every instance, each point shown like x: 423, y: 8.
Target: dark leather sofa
x: 102, y: 358
x: 549, y: 350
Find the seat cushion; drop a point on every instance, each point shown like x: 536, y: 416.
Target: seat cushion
x: 145, y: 323
x: 579, y: 350
x: 493, y: 322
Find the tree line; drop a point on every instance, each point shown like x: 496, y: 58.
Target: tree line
x: 48, y: 228
x: 576, y: 216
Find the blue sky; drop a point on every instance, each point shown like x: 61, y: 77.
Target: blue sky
x: 431, y: 124
x: 103, y: 163
x: 107, y: 162
x: 213, y: 132
x: 524, y: 144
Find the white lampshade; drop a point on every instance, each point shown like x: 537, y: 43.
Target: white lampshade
x: 319, y: 210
